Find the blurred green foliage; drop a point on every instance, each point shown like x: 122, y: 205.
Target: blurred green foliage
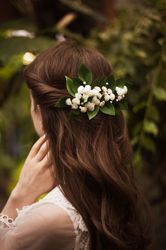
x: 135, y: 45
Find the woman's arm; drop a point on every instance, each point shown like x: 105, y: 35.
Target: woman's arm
x: 17, y: 199
x: 44, y: 226
x: 36, y: 178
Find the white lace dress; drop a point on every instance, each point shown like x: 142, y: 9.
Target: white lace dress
x: 51, y: 223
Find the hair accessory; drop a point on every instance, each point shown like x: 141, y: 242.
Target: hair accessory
x: 87, y: 96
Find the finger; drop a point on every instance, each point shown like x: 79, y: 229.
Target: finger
x: 46, y: 161
x: 51, y: 175
x: 37, y: 145
x: 43, y: 151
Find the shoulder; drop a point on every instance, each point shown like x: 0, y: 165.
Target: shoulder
x: 45, y: 214
x: 40, y: 226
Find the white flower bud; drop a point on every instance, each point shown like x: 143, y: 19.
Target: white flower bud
x: 107, y: 83
x: 95, y: 100
x: 78, y: 95
x: 74, y: 106
x: 84, y: 83
x: 76, y: 101
x: 99, y: 95
x: 86, y: 95
x: 120, y: 97
x: 112, y: 97
x: 102, y: 103
x: 98, y: 88
x: 87, y: 88
x: 106, y: 97
x: 104, y: 88
x: 90, y: 106
x: 125, y: 89
x: 109, y: 91
x: 83, y: 109
x: 68, y: 101
x: 95, y: 92
x: 80, y: 89
x: 120, y: 91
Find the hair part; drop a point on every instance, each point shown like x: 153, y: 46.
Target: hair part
x: 92, y: 159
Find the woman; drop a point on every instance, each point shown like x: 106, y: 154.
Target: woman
x: 93, y: 202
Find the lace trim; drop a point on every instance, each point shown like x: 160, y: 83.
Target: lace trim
x: 82, y: 235
x: 6, y: 221
x: 56, y: 197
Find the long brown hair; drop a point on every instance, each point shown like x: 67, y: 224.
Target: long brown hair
x: 92, y: 159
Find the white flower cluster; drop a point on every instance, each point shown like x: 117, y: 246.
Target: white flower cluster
x: 100, y: 95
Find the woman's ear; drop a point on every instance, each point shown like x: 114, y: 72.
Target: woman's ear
x: 40, y: 129
x: 36, y: 117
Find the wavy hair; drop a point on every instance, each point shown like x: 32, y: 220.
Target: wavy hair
x: 92, y: 159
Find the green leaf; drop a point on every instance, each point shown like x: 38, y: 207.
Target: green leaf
x: 14, y: 65
x: 139, y: 106
x: 93, y: 113
x: 134, y: 140
x: 76, y: 83
x: 120, y: 83
x: 86, y: 99
x: 160, y: 93
x: 108, y: 109
x: 69, y: 86
x: 19, y: 45
x: 137, y: 128
x: 72, y: 85
x: 111, y: 82
x: 137, y: 159
x: 85, y: 74
x: 153, y: 113
x: 110, y: 78
x: 148, y: 143
x: 117, y: 109
x: 150, y: 127
x: 61, y: 103
x: 123, y: 105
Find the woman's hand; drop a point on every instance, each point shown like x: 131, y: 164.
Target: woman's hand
x: 37, y: 177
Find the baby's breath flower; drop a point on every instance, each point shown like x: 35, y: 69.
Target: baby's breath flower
x: 98, y: 88
x: 74, y: 106
x: 125, y: 89
x: 87, y: 88
x: 120, y: 97
x: 90, y: 106
x: 106, y: 97
x: 109, y: 91
x: 99, y: 95
x: 78, y: 95
x: 80, y: 89
x: 104, y: 89
x: 83, y: 109
x: 76, y: 101
x: 112, y: 97
x: 102, y: 103
x: 95, y: 92
x: 95, y: 100
x: 119, y: 90
x: 68, y: 101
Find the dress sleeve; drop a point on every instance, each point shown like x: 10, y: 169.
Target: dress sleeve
x: 43, y: 227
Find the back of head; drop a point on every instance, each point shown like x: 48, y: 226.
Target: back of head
x: 92, y: 158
